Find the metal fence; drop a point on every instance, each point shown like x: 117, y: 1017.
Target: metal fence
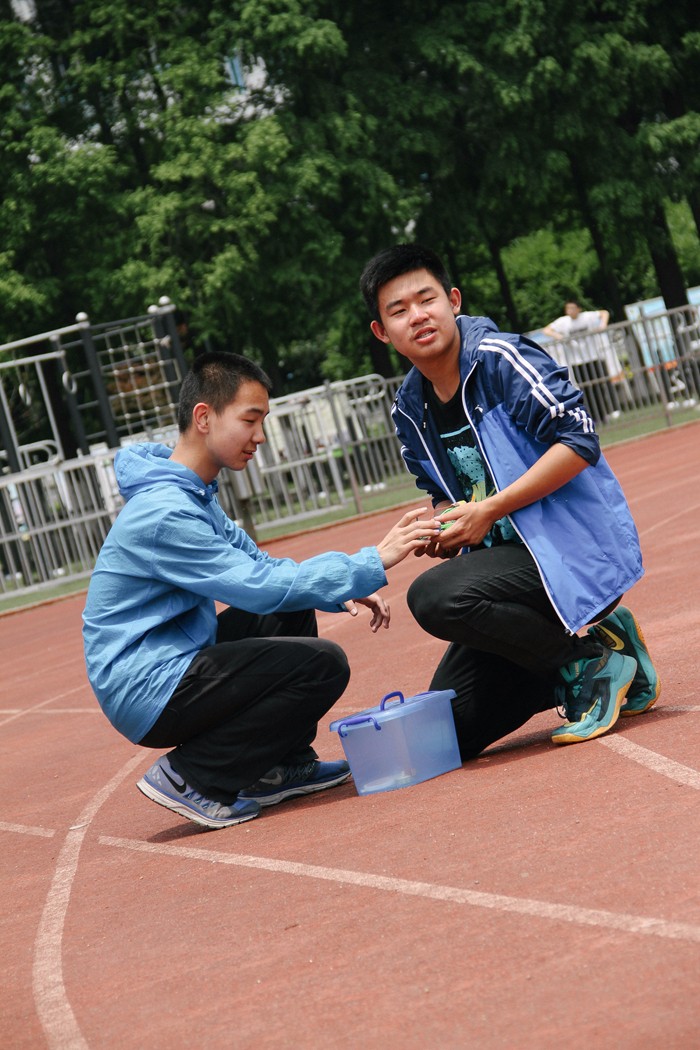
x: 64, y: 392
x: 637, y: 374
x: 328, y: 448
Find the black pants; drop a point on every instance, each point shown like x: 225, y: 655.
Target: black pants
x: 598, y: 389
x: 506, y: 641
x: 250, y: 701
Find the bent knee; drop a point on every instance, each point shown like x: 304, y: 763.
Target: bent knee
x: 332, y: 661
x: 425, y: 601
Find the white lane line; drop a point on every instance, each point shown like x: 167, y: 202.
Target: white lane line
x: 25, y: 829
x: 665, y: 522
x: 639, y: 924
x: 657, y: 763
x: 50, y: 711
x: 44, y: 703
x: 52, y: 1006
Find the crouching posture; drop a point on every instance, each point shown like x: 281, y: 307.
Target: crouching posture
x: 498, y: 436
x: 235, y: 696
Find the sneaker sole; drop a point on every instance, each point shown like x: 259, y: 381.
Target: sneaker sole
x: 296, y: 792
x: 572, y: 738
x: 184, y: 811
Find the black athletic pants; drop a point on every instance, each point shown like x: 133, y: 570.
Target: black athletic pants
x: 506, y: 641
x: 250, y: 701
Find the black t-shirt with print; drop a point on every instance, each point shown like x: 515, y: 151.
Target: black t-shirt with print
x: 463, y: 453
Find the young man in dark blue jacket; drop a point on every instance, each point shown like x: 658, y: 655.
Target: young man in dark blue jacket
x: 495, y: 432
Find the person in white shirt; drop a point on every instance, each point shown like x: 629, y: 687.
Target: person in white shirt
x: 589, y: 355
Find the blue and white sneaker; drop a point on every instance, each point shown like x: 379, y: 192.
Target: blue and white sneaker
x: 621, y: 632
x: 166, y: 787
x: 284, y: 782
x: 591, y: 692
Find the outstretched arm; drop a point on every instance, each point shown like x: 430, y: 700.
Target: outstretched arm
x: 412, y: 532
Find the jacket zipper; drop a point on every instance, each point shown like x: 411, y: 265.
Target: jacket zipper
x: 477, y: 438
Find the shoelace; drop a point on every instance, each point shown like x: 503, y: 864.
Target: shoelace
x: 301, y: 772
x: 209, y: 805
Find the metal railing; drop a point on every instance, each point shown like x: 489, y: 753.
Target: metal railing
x: 636, y: 374
x: 328, y: 448
x: 63, y: 392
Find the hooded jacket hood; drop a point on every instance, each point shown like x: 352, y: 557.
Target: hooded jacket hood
x: 141, y: 467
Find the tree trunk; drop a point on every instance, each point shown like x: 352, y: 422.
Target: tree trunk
x: 614, y: 303
x: 693, y: 199
x: 380, y: 357
x: 504, y: 285
x: 663, y: 255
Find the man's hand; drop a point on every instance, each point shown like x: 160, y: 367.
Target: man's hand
x: 379, y: 608
x: 411, y: 533
x: 470, y: 523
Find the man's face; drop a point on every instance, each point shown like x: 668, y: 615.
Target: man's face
x: 573, y: 310
x: 418, y: 317
x: 232, y: 436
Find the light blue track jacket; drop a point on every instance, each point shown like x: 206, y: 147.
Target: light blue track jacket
x: 518, y: 402
x: 170, y: 555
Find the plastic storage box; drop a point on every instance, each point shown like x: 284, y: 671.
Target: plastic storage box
x: 400, y: 742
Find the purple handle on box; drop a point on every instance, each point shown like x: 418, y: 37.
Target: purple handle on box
x: 356, y: 722
x: 389, y: 696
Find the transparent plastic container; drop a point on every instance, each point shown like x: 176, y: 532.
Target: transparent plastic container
x: 402, y: 741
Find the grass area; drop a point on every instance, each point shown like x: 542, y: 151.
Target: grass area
x: 642, y: 421
x: 49, y: 593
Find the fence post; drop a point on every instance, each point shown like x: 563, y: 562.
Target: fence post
x: 166, y: 310
x: 7, y: 434
x: 98, y: 380
x: 347, y: 456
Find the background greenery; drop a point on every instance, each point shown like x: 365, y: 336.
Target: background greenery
x: 246, y: 158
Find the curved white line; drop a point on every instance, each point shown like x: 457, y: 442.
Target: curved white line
x: 52, y: 1006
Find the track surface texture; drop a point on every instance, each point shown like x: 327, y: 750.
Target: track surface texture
x: 538, y: 897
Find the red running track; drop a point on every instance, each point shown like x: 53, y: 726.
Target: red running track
x: 539, y: 897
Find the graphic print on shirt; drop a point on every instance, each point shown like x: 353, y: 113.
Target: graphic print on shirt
x: 469, y: 466
x: 474, y: 478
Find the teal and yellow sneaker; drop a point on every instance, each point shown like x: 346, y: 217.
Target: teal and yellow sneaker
x: 621, y: 633
x: 591, y: 692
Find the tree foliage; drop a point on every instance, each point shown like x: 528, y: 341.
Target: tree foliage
x: 247, y: 159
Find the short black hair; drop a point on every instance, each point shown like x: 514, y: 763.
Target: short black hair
x: 215, y: 378
x: 394, y: 261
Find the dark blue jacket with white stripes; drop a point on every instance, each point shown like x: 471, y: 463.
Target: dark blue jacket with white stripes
x: 518, y: 402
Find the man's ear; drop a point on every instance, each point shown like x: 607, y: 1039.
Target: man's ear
x: 455, y: 298
x: 377, y: 330
x: 200, y: 417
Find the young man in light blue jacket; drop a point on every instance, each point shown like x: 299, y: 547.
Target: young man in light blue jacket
x: 236, y: 696
x: 497, y: 435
